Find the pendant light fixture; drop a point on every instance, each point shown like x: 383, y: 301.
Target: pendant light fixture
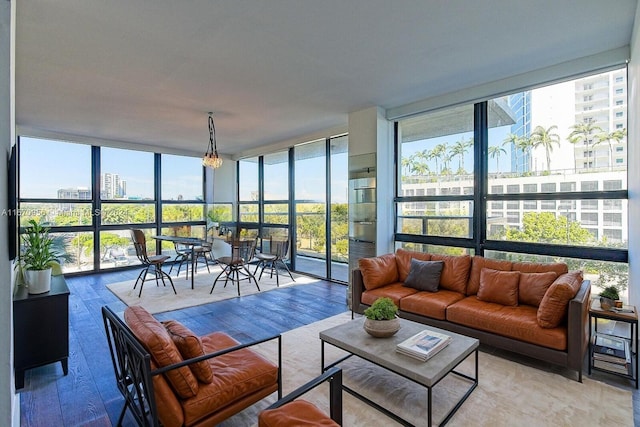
x: 211, y: 158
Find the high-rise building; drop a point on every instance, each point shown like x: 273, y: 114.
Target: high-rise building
x: 601, y: 101
x: 112, y: 187
x: 79, y: 193
x: 520, y: 104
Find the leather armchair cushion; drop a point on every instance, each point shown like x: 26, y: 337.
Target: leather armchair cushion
x: 378, y: 271
x: 500, y: 287
x: 190, y: 346
x: 424, y: 275
x: 298, y: 413
x: 403, y: 261
x: 533, y: 286
x: 553, y: 307
x: 395, y: 291
x: 154, y: 336
x: 455, y: 272
x: 477, y: 264
x: 239, y: 375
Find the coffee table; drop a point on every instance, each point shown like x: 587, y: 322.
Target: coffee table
x: 352, y: 338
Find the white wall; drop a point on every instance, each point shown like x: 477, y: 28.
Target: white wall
x: 9, y: 404
x: 633, y: 154
x: 370, y: 132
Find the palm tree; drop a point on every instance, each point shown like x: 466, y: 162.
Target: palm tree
x: 459, y: 149
x: 583, y: 132
x: 495, y: 151
x: 617, y: 136
x: 546, y: 138
x: 437, y: 153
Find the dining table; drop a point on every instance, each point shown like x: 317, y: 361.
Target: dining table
x: 191, y: 242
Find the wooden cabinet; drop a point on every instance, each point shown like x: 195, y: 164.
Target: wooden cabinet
x: 41, y: 328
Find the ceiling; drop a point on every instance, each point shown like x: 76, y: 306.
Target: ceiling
x: 147, y: 72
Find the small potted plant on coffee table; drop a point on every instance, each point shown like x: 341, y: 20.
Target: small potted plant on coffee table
x: 381, y: 318
x: 608, y: 297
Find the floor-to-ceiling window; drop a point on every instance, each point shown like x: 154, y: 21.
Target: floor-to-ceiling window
x: 311, y: 207
x: 339, y: 226
x: 549, y: 183
x: 300, y: 194
x: 91, y: 206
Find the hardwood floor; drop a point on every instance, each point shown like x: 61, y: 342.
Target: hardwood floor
x: 87, y: 396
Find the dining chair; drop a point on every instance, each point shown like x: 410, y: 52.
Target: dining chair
x: 154, y: 262
x: 183, y: 254
x: 276, y: 253
x: 235, y: 266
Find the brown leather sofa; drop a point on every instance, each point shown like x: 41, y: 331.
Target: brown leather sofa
x: 539, y: 310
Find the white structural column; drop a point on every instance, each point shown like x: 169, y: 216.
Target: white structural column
x: 371, y: 132
x: 9, y: 403
x: 633, y: 154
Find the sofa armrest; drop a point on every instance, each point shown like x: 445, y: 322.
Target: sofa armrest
x: 357, y: 288
x: 578, y: 326
x: 334, y: 376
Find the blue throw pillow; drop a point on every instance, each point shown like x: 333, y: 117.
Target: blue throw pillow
x: 424, y: 275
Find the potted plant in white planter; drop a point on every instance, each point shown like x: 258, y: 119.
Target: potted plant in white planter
x: 37, y: 258
x: 381, y: 318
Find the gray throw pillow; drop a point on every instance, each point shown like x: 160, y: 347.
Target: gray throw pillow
x: 424, y: 275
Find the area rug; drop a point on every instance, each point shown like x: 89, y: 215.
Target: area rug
x: 508, y: 393
x: 157, y: 299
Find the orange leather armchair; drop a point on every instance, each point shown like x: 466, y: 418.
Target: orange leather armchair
x: 169, y: 376
x: 293, y: 412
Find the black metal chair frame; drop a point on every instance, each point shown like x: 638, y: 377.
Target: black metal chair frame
x: 278, y: 250
x: 334, y: 377
x: 141, y: 253
x: 134, y: 376
x: 235, y: 266
x: 183, y: 253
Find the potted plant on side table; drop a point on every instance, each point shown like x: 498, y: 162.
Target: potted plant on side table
x: 608, y: 297
x: 37, y: 259
x: 381, y: 318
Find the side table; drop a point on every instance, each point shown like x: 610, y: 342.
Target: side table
x: 40, y: 328
x: 596, y: 313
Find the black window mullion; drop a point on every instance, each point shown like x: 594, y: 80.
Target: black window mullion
x: 327, y: 187
x: 480, y: 153
x: 293, y: 232
x: 96, y: 220
x: 157, y: 180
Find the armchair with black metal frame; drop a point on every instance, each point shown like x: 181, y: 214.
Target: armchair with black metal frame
x: 292, y: 411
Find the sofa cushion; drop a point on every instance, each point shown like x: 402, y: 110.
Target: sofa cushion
x: 455, y: 271
x: 378, y: 271
x: 477, y: 264
x: 500, y: 287
x: 190, y: 346
x: 298, y: 413
x: 424, y: 275
x: 156, y: 339
x: 432, y: 305
x: 241, y: 378
x: 403, y: 261
x: 533, y: 286
x: 514, y: 322
x: 539, y: 267
x: 395, y: 291
x: 553, y: 307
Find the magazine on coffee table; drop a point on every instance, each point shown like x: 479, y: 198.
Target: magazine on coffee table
x: 423, y: 345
